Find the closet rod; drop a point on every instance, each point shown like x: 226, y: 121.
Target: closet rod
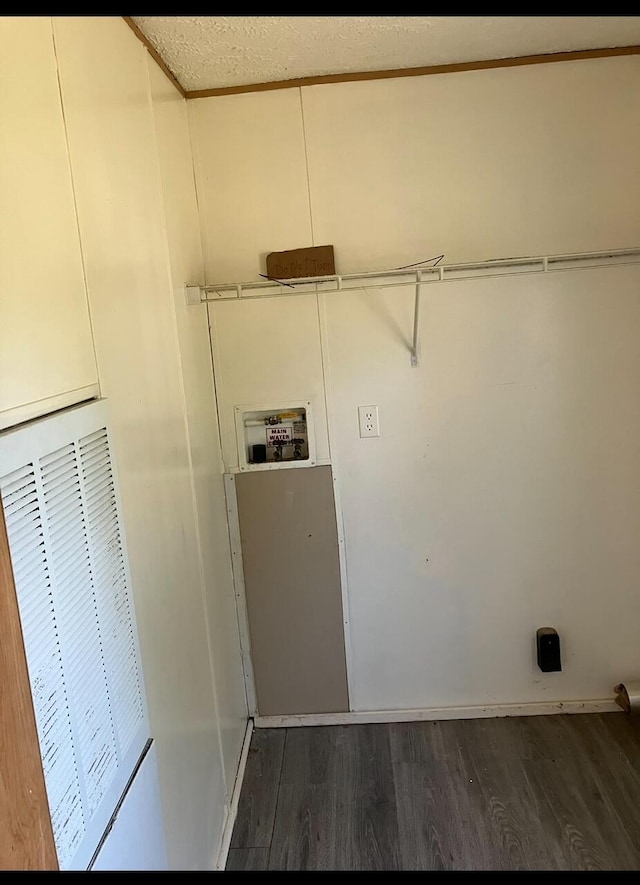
x: 381, y: 279
x: 418, y: 277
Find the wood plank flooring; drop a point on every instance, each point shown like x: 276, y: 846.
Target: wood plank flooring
x: 529, y: 793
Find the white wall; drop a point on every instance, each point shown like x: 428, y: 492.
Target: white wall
x: 115, y: 155
x: 46, y: 349
x: 530, y: 160
x: 127, y: 166
x: 252, y: 180
x: 265, y: 346
x: 212, y: 534
x: 502, y: 494
x: 124, y: 849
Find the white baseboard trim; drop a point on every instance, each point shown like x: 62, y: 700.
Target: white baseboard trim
x: 232, y: 811
x: 605, y: 705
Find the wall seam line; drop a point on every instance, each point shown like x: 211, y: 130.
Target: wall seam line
x: 75, y: 208
x: 306, y: 165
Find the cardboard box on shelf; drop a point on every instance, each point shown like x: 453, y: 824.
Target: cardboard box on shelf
x: 313, y: 261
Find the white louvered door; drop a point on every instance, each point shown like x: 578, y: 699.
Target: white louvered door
x: 60, y: 498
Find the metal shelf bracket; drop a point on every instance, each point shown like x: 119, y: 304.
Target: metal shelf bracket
x: 416, y: 319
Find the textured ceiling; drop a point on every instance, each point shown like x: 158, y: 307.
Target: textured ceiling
x: 211, y: 52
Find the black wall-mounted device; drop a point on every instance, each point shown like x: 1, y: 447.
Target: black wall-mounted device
x: 548, y: 644
x: 259, y: 453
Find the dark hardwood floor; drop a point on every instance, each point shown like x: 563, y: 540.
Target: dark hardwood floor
x: 529, y: 793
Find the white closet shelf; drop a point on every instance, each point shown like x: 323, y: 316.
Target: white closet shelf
x: 415, y: 276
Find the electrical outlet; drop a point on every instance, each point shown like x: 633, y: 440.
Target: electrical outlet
x: 368, y: 421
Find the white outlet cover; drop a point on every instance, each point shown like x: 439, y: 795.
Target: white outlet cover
x: 368, y: 421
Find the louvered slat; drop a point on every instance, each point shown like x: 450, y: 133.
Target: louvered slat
x: 69, y: 561
x: 17, y: 480
x: 115, y: 608
x: 75, y: 595
x: 41, y: 638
